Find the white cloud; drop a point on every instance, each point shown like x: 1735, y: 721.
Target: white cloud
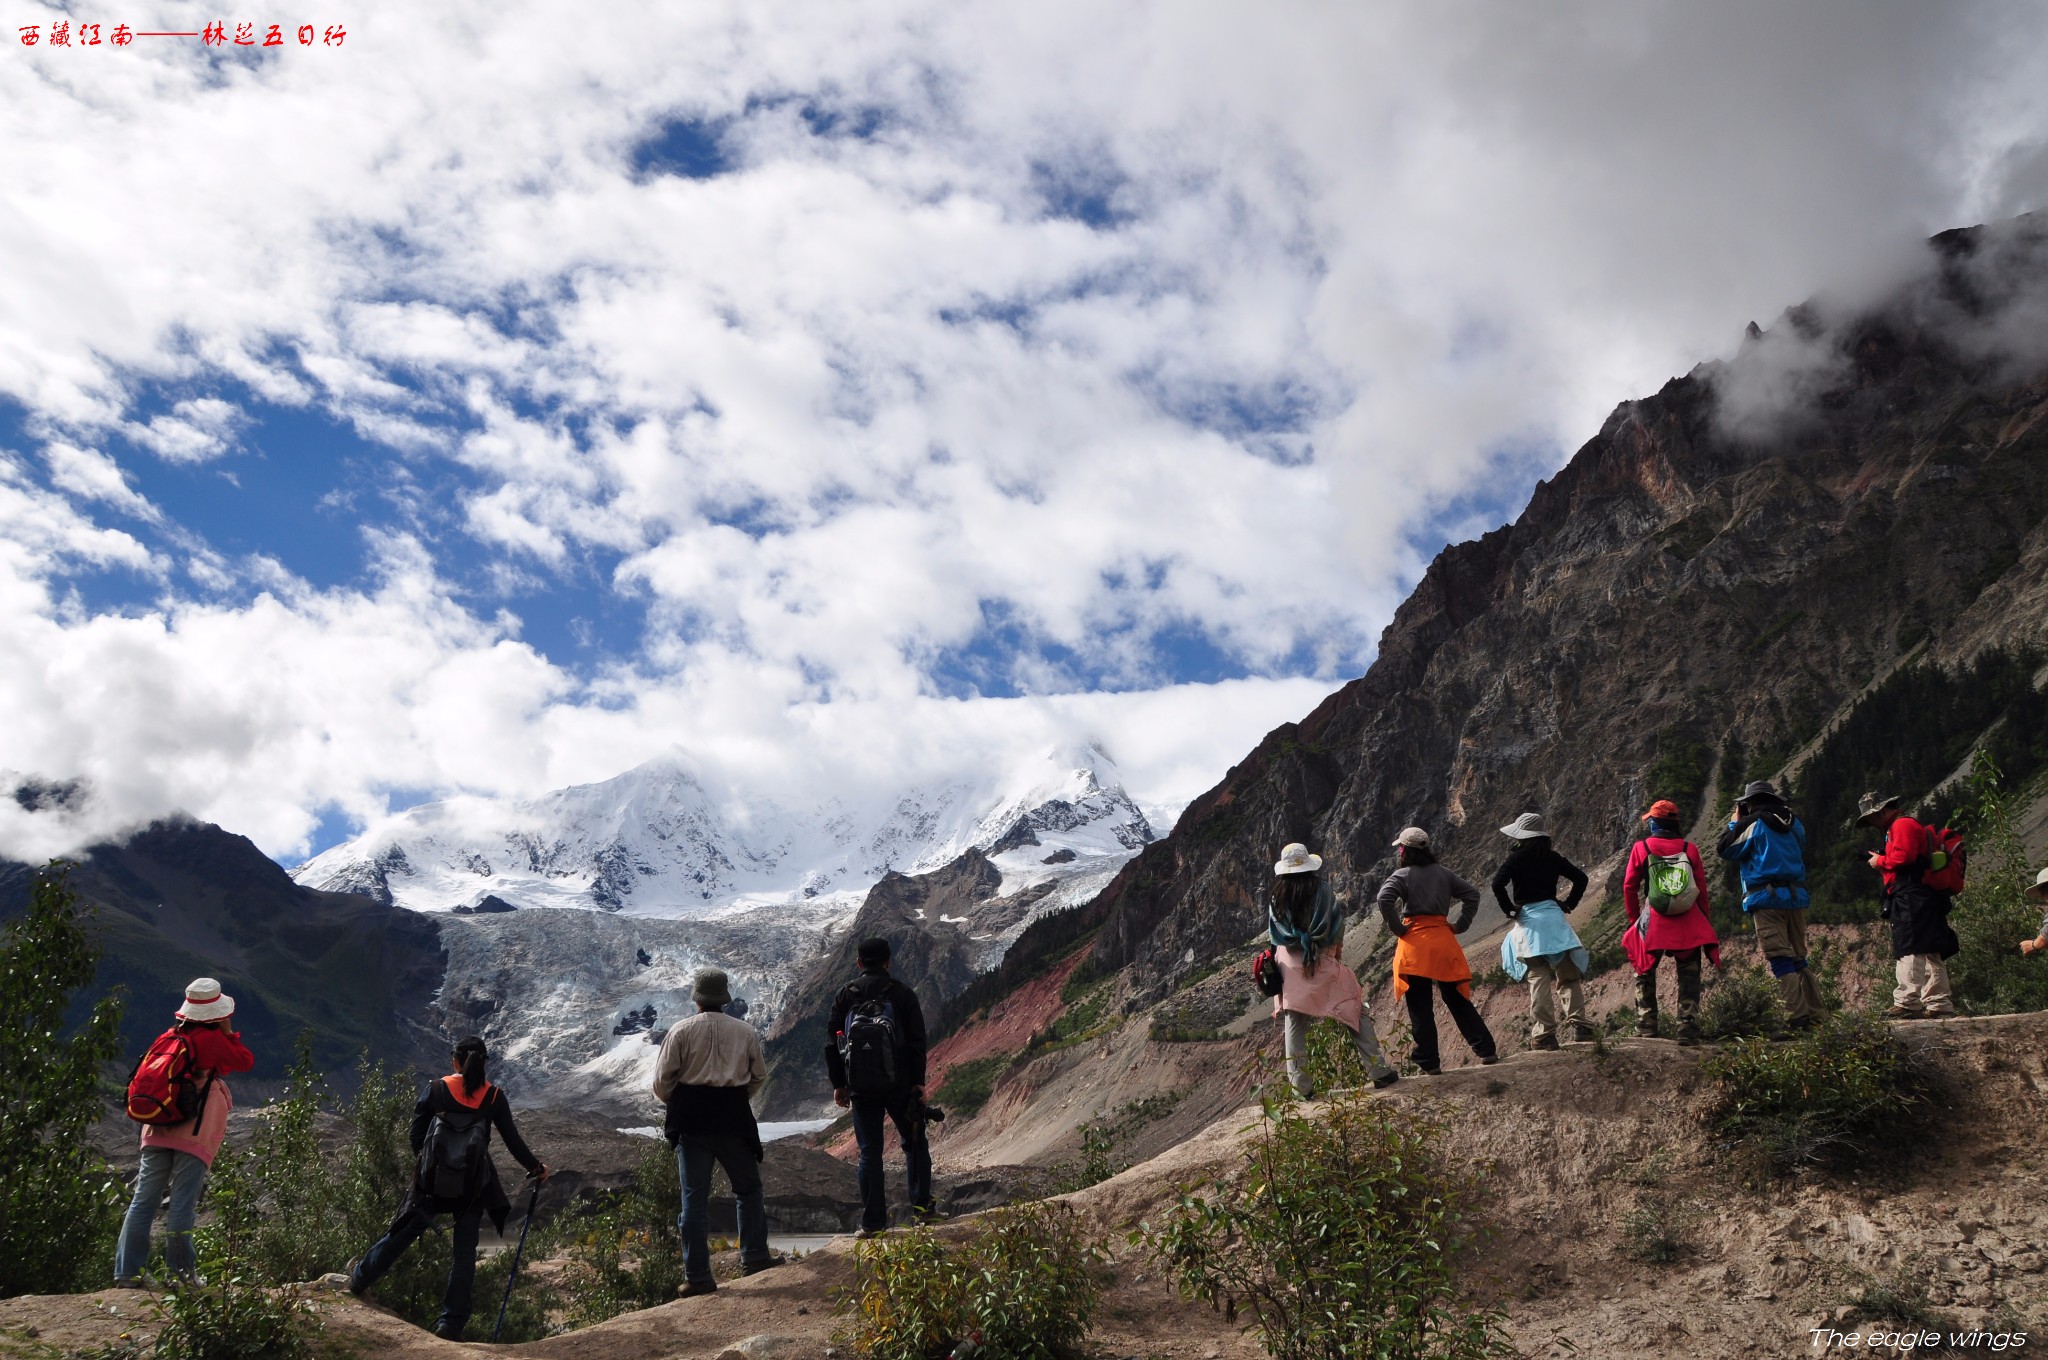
x: 828, y: 414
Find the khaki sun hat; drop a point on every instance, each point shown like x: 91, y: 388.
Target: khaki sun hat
x: 1295, y: 859
x: 1870, y: 804
x: 1526, y: 827
x: 2039, y: 892
x: 711, y: 988
x: 204, y: 1000
x: 1414, y: 837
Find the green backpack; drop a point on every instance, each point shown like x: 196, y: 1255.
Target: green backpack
x: 1668, y: 884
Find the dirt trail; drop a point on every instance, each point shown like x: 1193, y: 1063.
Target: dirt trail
x: 1572, y: 1144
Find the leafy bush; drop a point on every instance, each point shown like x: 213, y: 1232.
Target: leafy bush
x: 1989, y: 976
x: 1100, y: 1140
x: 1023, y: 1287
x: 968, y: 1085
x: 1081, y: 1020
x: 1823, y: 1101
x: 234, y: 1316
x: 1339, y: 1237
x: 1741, y: 1002
x: 59, y: 1202
x: 628, y: 1254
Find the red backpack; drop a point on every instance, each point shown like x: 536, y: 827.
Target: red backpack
x: 166, y: 1088
x: 1948, y: 863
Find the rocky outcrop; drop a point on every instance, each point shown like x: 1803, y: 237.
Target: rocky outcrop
x: 1717, y: 572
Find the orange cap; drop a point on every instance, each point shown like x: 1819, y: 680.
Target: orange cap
x: 1663, y: 809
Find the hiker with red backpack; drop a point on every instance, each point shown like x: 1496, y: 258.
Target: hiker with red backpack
x: 1306, y: 929
x: 875, y: 1055
x: 1664, y: 894
x: 178, y: 1097
x: 1922, y: 867
x: 451, y: 1137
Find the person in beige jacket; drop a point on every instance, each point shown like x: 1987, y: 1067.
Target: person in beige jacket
x: 710, y: 1067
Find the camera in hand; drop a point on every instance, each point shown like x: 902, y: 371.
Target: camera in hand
x: 933, y: 1114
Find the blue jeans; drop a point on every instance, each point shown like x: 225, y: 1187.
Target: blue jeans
x: 455, y: 1299
x: 694, y: 1158
x: 868, y: 1112
x: 186, y: 1175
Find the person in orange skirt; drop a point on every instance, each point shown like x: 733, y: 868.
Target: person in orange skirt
x: 1416, y: 902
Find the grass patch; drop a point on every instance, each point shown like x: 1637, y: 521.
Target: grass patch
x: 1826, y: 1102
x: 968, y: 1085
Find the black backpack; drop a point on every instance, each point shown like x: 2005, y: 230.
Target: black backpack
x: 457, y: 1152
x: 871, y: 1046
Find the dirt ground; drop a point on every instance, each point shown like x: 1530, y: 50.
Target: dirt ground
x: 1572, y: 1146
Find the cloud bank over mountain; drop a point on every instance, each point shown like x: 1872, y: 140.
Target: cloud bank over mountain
x: 853, y: 394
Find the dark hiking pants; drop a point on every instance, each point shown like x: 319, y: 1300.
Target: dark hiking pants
x: 455, y: 1301
x: 1686, y: 962
x: 1422, y: 1019
x: 868, y: 1131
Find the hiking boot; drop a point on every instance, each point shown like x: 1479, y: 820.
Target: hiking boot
x: 1546, y: 1043
x: 1431, y: 1071
x: 1646, y: 1029
x: 1689, y: 1036
x: 756, y: 1267
x: 696, y: 1291
x: 865, y: 1233
x: 133, y: 1282
x: 1943, y: 1015
x: 1489, y: 1060
x: 1903, y: 1013
x: 1582, y: 1034
x: 1384, y: 1080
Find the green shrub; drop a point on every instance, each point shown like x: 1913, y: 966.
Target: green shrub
x: 1741, y: 1002
x: 1330, y: 1058
x: 1989, y: 975
x: 234, y: 1316
x: 1339, y: 1237
x: 59, y: 1201
x: 628, y: 1253
x: 1825, y: 1100
x: 968, y: 1085
x: 1023, y: 1287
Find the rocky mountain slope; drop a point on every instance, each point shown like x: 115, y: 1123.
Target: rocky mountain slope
x: 1688, y: 603
x: 185, y: 899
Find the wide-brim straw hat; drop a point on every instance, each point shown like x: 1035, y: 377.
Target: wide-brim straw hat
x: 204, y: 1000
x: 2039, y: 892
x: 1526, y: 827
x: 1295, y: 859
x: 1414, y: 837
x: 1869, y: 805
x: 711, y: 988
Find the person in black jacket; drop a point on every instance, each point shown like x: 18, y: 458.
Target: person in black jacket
x: 858, y: 1082
x: 456, y: 1099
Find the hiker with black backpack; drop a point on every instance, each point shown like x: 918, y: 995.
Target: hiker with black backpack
x: 711, y: 1066
x: 1664, y: 894
x: 1767, y: 843
x: 178, y: 1097
x: 1305, y: 926
x: 1918, y: 892
x: 451, y: 1138
x: 875, y: 1055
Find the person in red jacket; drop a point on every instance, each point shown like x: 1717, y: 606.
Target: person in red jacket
x: 1661, y: 926
x: 178, y: 1156
x: 1922, y: 942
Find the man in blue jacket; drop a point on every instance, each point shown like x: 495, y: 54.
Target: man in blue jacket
x: 1768, y: 845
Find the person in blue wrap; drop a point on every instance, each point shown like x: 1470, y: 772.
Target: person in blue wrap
x: 1542, y: 945
x: 1767, y: 843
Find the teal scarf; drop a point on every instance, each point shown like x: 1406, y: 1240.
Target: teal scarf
x: 1325, y: 928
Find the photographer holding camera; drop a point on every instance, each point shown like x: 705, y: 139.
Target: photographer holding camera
x: 876, y: 1057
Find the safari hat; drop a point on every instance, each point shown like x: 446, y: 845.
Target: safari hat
x: 711, y: 988
x: 1526, y: 827
x: 1296, y: 859
x: 1662, y: 810
x: 2039, y: 892
x: 1762, y: 788
x: 204, y: 1000
x: 1414, y: 837
x: 1869, y: 805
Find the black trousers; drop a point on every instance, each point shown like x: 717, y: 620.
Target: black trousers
x: 1422, y: 1019
x: 455, y: 1303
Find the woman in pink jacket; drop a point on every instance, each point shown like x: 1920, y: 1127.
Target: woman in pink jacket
x: 180, y: 1155
x: 1664, y: 893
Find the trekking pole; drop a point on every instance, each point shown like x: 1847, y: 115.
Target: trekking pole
x: 518, y: 1252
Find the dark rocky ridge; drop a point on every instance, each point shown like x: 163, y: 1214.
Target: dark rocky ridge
x: 183, y: 899
x: 1674, y: 583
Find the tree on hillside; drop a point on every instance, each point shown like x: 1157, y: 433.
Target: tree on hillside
x: 58, y: 1198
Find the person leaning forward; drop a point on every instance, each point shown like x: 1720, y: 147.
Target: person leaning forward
x: 710, y: 1068
x: 1922, y: 942
x: 1767, y: 843
x: 1416, y: 903
x: 875, y: 1053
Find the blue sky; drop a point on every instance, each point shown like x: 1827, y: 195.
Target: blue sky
x: 844, y: 400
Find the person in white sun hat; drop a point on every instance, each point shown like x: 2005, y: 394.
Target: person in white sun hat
x: 1542, y: 946
x: 2038, y: 893
x: 1306, y: 927
x: 178, y: 1097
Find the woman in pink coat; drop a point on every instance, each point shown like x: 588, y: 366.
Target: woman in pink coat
x: 1664, y: 893
x: 1307, y: 930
